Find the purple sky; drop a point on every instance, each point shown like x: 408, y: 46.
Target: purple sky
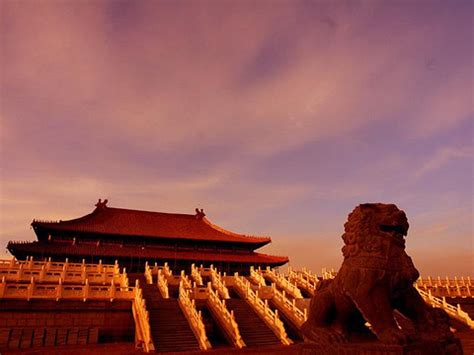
x: 276, y: 117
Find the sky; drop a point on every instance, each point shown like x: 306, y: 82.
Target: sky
x: 276, y: 117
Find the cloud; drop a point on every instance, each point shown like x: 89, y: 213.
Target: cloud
x: 441, y: 157
x: 274, y: 117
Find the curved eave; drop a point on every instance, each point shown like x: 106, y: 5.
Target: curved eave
x: 64, y: 226
x: 116, y: 251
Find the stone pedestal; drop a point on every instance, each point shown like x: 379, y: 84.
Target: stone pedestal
x: 377, y: 348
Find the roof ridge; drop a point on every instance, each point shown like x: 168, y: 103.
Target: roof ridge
x: 151, y: 212
x: 225, y: 231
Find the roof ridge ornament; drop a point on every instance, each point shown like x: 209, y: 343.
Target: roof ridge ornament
x: 200, y: 213
x: 101, y: 204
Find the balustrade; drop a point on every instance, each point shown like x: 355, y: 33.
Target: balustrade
x: 282, y: 282
x: 196, y: 275
x: 225, y: 317
x: 306, y: 273
x: 328, y: 274
x: 447, y: 287
x: 218, y: 283
x: 49, y: 265
x: 270, y: 317
x: 289, y: 306
x: 59, y: 291
x: 303, y: 281
x: 21, y: 274
x: 185, y: 280
x: 142, y: 321
x: 257, y: 277
x: 162, y: 284
x: 148, y: 274
x: 453, y: 311
x: 193, y: 316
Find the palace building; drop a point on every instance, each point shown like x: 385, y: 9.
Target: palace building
x: 67, y: 292
x: 133, y: 237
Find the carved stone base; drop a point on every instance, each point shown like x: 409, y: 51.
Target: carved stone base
x: 377, y: 348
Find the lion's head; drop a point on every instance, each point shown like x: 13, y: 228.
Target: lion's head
x: 369, y: 224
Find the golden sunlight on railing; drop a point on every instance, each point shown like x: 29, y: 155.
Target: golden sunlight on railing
x: 257, y: 277
x: 270, y: 317
x: 289, y: 307
x: 142, y: 321
x: 455, y: 312
x: 281, y: 282
x: 60, y: 291
x: 445, y: 287
x: 196, y: 275
x: 218, y: 283
x: 225, y: 318
x: 193, y: 316
x: 303, y: 280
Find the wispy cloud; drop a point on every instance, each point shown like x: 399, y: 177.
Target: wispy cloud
x: 441, y: 157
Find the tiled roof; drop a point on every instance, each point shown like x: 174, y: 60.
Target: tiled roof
x: 113, y: 250
x: 119, y: 221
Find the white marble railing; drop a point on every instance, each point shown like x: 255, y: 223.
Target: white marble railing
x: 289, y: 307
x: 308, y: 275
x: 282, y: 282
x: 218, y: 283
x: 453, y: 311
x: 225, y: 317
x: 185, y: 280
x: 59, y: 291
x: 270, y: 317
x: 196, y: 275
x: 142, y: 321
x: 301, y: 280
x: 257, y: 277
x: 167, y: 271
x: 328, y: 274
x: 22, y: 274
x: 49, y: 265
x: 194, y: 317
x: 439, y: 287
x: 438, y: 281
x: 148, y: 274
x: 162, y: 284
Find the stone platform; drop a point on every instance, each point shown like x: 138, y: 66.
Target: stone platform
x: 377, y: 348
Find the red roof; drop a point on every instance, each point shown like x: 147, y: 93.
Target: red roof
x: 114, y: 250
x: 119, y: 221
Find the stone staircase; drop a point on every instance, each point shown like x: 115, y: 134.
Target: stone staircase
x: 170, y: 330
x: 29, y: 337
x: 252, y: 328
x: 291, y: 329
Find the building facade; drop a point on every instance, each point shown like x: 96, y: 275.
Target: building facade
x: 133, y: 237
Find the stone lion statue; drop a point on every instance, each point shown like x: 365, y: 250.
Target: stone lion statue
x: 376, y: 278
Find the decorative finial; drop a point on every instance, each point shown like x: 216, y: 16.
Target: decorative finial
x: 101, y: 204
x: 200, y: 213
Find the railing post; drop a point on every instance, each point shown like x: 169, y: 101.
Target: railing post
x: 2, y: 287
x: 20, y: 272
x: 31, y: 288
x: 112, y: 291
x: 85, y: 289
x: 41, y: 274
x: 59, y: 290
